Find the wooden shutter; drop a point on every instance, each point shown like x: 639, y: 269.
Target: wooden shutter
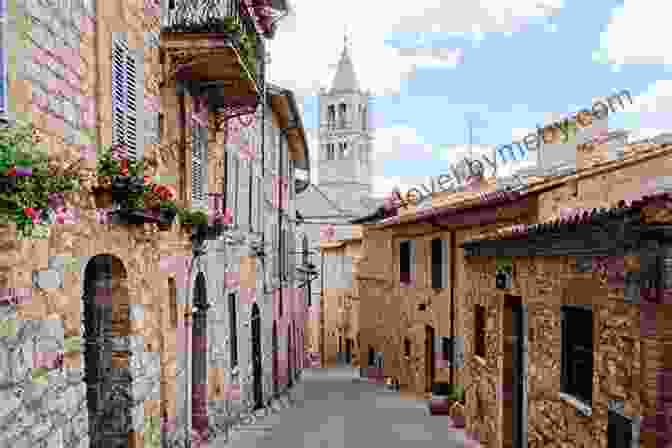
x: 132, y: 105
x: 119, y: 83
x: 197, y: 167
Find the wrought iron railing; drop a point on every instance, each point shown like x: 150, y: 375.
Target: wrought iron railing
x: 207, y: 16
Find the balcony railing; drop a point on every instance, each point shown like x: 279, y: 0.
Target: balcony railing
x: 207, y: 16
x: 334, y: 125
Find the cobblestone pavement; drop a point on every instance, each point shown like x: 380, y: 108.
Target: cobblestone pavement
x: 333, y: 408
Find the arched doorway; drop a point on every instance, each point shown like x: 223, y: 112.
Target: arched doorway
x: 256, y: 357
x: 429, y: 358
x: 290, y: 383
x: 199, y: 368
x: 274, y: 346
x: 106, y: 356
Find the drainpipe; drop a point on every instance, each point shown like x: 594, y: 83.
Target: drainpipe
x: 280, y: 242
x: 452, y: 308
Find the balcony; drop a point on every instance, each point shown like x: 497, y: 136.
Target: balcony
x: 215, y: 48
x: 336, y: 125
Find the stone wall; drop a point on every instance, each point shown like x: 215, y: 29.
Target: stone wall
x: 621, y: 354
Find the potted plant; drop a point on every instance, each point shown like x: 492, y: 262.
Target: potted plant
x: 117, y: 177
x: 456, y: 401
x: 28, y: 200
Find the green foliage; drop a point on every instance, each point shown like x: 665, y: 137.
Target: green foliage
x: 72, y: 344
x: 106, y: 165
x: 188, y: 216
x: 457, y: 394
x: 8, y: 328
x: 40, y: 375
x: 231, y: 24
x: 152, y: 436
x: 168, y: 204
x: 248, y: 53
x: 17, y: 148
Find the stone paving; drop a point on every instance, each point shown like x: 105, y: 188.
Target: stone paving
x: 332, y: 408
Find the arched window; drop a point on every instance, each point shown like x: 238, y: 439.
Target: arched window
x: 233, y: 330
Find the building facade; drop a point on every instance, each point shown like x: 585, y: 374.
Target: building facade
x: 338, y: 335
x: 116, y: 325
x: 344, y: 187
x: 427, y: 316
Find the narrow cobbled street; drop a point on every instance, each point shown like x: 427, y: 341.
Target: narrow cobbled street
x: 333, y: 408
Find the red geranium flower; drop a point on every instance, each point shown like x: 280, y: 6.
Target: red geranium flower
x: 124, y: 167
x: 30, y: 212
x: 12, y: 171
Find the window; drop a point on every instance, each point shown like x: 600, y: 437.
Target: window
x: 446, y: 348
x: 479, y: 330
x: 341, y: 115
x: 344, y: 150
x: 407, y: 348
x: 161, y: 125
x: 406, y: 261
x: 124, y: 98
x: 233, y: 329
x: 330, y: 151
x: 331, y: 115
x: 577, y: 352
x: 364, y: 119
x: 439, y: 263
x: 172, y: 294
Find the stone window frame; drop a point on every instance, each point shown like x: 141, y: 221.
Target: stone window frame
x: 583, y: 404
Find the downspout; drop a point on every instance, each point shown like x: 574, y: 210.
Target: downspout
x: 452, y: 309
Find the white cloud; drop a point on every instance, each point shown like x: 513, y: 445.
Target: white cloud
x: 634, y: 35
x: 310, y: 39
x: 650, y: 112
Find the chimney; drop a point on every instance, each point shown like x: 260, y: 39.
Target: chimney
x: 601, y: 149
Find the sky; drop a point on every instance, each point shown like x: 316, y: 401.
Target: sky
x: 509, y: 65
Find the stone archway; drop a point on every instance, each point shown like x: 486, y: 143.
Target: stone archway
x: 256, y: 358
x: 107, y: 353
x: 199, y: 349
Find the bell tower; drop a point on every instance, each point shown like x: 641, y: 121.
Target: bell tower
x: 345, y: 137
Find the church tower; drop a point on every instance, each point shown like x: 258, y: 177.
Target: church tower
x: 345, y: 137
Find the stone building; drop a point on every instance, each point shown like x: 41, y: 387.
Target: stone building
x: 410, y: 317
x: 575, y: 350
x: 163, y: 336
x: 453, y: 219
x: 344, y: 182
x: 337, y: 338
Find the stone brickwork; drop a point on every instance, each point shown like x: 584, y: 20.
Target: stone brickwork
x: 622, y: 357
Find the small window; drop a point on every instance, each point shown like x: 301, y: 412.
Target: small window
x: 479, y: 330
x: 233, y: 330
x: 172, y: 291
x: 407, y: 348
x: 330, y: 151
x: 445, y: 348
x: 577, y: 352
x: 438, y: 264
x: 405, y: 262
x: 619, y: 431
x: 161, y: 125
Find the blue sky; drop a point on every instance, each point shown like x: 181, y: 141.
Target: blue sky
x: 557, y: 63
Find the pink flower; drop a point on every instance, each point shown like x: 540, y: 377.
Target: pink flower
x: 102, y: 216
x: 327, y: 232
x: 65, y: 216
x: 228, y: 217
